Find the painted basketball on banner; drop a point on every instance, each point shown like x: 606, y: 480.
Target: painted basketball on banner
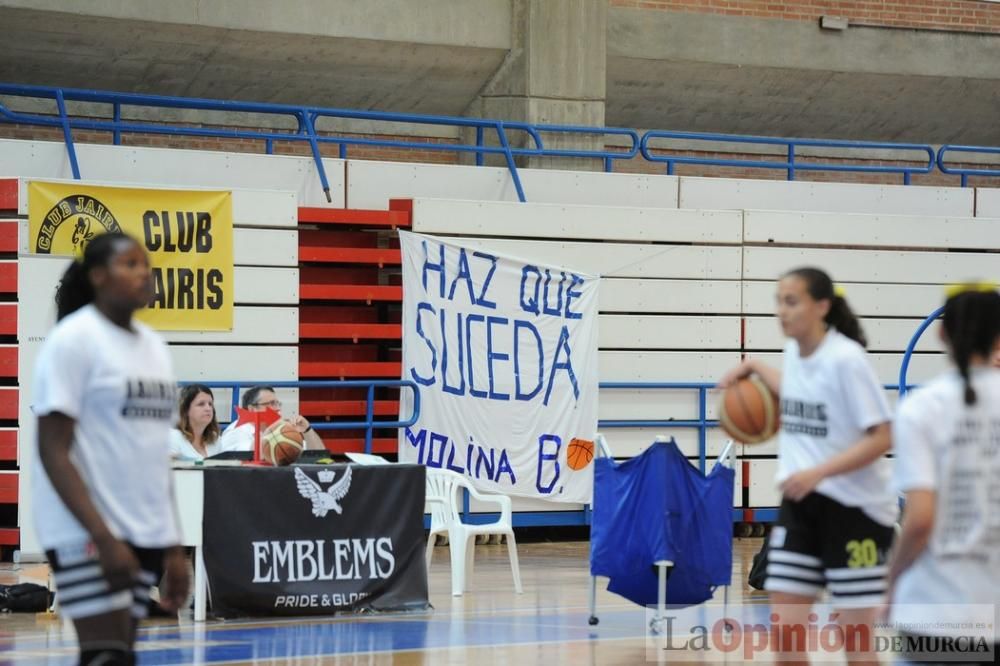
x: 580, y: 453
x: 505, y: 354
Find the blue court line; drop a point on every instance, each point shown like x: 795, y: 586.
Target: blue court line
x: 366, y: 635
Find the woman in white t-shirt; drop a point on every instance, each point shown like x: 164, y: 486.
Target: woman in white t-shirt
x: 947, y: 462
x: 102, y: 495
x: 196, y: 436
x: 834, y: 526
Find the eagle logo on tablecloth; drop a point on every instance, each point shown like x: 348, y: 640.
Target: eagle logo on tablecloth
x: 323, y: 500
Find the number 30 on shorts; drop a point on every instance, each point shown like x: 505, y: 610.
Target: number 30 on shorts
x: 861, y: 553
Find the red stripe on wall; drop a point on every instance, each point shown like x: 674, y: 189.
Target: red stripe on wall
x: 8, y: 488
x: 8, y: 236
x: 8, y: 194
x: 8, y: 404
x: 8, y: 319
x: 8, y: 361
x: 8, y: 277
x: 8, y: 444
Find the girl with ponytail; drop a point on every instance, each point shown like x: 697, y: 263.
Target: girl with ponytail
x: 835, y: 524
x: 947, y: 438
x: 104, y: 394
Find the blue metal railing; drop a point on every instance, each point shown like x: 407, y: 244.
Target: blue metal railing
x: 911, y: 345
x: 305, y: 118
x: 702, y: 423
x: 369, y: 424
x: 790, y: 164
x: 965, y: 172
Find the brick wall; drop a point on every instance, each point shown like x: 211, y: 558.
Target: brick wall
x: 953, y: 15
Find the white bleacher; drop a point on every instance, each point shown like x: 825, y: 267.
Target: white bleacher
x: 987, y: 202
x: 372, y: 184
x: 150, y: 167
x: 689, y: 264
x: 742, y: 194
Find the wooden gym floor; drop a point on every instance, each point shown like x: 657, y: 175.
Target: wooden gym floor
x: 490, y: 624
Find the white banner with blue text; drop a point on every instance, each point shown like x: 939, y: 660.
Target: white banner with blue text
x: 505, y: 354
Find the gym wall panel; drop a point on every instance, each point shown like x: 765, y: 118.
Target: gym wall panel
x: 665, y: 366
x: 562, y: 221
x: 870, y: 231
x: 668, y: 332
x: 763, y: 490
x: 882, y: 334
x: 251, y: 325
x: 654, y: 404
x: 371, y: 184
x: 922, y: 366
x: 622, y: 259
x: 673, y: 296
x: 169, y: 167
x: 261, y: 208
x: 867, y: 300
x: 265, y: 247
x: 266, y: 285
x: 987, y: 202
x: 728, y: 193
x: 768, y: 263
x: 240, y: 363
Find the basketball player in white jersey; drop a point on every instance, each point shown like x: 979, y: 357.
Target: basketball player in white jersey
x: 834, y: 526
x: 947, y: 462
x: 101, y: 486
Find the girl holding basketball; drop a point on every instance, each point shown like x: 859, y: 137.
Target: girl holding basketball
x: 196, y: 436
x: 947, y: 435
x: 835, y: 523
x: 101, y: 486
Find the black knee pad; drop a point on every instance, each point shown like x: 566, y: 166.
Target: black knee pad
x: 107, y: 657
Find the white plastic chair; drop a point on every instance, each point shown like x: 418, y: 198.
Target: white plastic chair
x: 443, y: 488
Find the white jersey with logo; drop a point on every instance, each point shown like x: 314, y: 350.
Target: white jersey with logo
x: 953, y: 449
x: 828, y: 400
x: 120, y: 389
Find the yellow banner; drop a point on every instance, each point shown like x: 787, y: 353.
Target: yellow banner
x: 188, y: 234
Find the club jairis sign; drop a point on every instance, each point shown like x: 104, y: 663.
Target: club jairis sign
x: 188, y: 234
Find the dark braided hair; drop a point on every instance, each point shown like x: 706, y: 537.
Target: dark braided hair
x: 75, y: 290
x: 972, y: 324
x: 820, y: 287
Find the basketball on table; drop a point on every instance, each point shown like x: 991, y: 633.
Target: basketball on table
x: 281, y: 444
x: 749, y: 411
x: 579, y: 453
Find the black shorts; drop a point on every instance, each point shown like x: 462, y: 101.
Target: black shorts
x: 820, y: 543
x: 83, y: 591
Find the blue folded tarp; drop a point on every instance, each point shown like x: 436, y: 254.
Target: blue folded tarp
x: 654, y: 507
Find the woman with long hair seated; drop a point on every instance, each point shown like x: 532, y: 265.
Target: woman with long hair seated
x: 196, y: 436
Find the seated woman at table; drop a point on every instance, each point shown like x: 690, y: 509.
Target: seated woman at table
x: 196, y: 436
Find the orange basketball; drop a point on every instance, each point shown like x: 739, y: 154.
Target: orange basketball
x: 749, y: 411
x: 281, y: 444
x: 579, y: 453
